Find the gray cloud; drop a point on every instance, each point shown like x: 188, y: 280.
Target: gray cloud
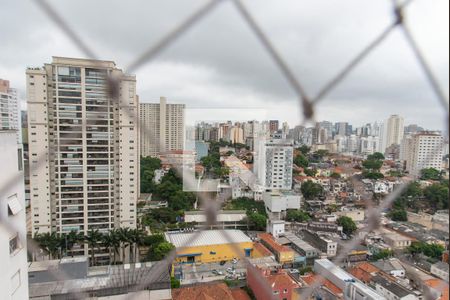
x: 220, y: 63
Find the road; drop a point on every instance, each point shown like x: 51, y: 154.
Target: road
x: 203, y: 272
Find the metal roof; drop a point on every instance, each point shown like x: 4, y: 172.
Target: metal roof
x: 205, y: 238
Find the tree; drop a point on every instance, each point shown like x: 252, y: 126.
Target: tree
x: 430, y: 174
x: 304, y: 149
x: 373, y: 165
x: 382, y: 254
x: 136, y: 238
x: 93, y: 238
x: 372, y: 175
x: 335, y: 175
x: 147, y: 171
x: 160, y: 251
x: 430, y: 250
x: 49, y: 242
x: 376, y: 156
x: 398, y: 215
x: 348, y: 225
x: 257, y: 221
x: 437, y: 195
x: 174, y: 283
x: 310, y: 172
x: 301, y: 161
x: 293, y: 215
x: 311, y: 190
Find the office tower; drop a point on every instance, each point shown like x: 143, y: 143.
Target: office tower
x: 328, y: 126
x: 83, y: 145
x: 393, y: 131
x: 274, y: 163
x: 342, y: 128
x: 274, y: 126
x: 285, y: 129
x: 13, y: 236
x: 10, y: 116
x: 423, y: 150
x: 162, y: 127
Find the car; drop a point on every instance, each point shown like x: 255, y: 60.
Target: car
x: 216, y: 272
x: 294, y: 271
x: 222, y: 262
x: 235, y: 260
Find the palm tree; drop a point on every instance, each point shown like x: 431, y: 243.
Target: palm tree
x: 50, y: 242
x: 108, y: 242
x: 136, y: 239
x: 92, y: 239
x: 72, y: 239
x: 115, y: 237
x: 124, y: 237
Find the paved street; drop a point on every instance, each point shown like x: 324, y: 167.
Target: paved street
x: 203, y: 272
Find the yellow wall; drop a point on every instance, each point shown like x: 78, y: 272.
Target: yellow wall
x: 223, y: 252
x: 286, y: 257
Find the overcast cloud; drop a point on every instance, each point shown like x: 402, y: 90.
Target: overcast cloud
x: 219, y: 62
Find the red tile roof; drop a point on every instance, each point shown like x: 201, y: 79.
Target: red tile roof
x: 218, y: 291
x: 268, y: 238
x: 313, y: 278
x: 440, y: 285
x: 240, y: 294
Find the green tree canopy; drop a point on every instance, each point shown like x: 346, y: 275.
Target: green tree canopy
x: 304, y: 149
x: 294, y: 215
x: 398, y: 215
x: 430, y: 174
x: 437, y: 195
x: 311, y: 190
x: 348, y: 225
x: 257, y: 221
x: 301, y: 161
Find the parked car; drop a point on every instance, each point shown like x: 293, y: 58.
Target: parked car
x: 216, y: 272
x: 294, y: 271
x: 235, y: 260
x: 222, y: 262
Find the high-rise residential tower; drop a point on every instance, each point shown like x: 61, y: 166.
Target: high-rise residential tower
x: 162, y: 127
x: 83, y: 146
x: 274, y: 162
x: 423, y: 150
x: 10, y: 110
x: 393, y: 130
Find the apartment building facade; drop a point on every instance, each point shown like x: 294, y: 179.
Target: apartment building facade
x: 13, y: 238
x: 10, y: 110
x: 83, y: 146
x: 162, y: 127
x: 423, y: 150
x: 274, y: 163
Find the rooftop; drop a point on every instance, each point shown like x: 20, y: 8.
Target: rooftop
x: 206, y: 237
x: 218, y: 291
x: 391, y: 286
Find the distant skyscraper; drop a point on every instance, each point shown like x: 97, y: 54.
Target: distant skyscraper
x: 13, y: 238
x: 162, y: 127
x: 393, y: 131
x: 423, y: 150
x: 274, y: 163
x: 236, y: 135
x: 413, y: 128
x: 274, y: 126
x: 342, y: 129
x: 84, y: 147
x: 10, y: 116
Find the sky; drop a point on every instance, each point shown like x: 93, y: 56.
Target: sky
x: 220, y: 64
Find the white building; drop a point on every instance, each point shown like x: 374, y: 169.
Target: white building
x: 423, y: 150
x: 83, y: 145
x: 10, y: 110
x: 274, y: 162
x: 13, y: 239
x: 353, y: 288
x: 277, y: 203
x: 162, y: 127
x: 440, y: 269
x: 392, y: 133
x: 276, y: 227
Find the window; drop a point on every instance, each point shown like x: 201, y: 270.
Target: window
x: 19, y: 159
x: 14, y: 206
x: 15, y: 282
x: 14, y: 244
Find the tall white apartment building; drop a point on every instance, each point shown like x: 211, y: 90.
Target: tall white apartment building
x: 83, y: 146
x: 423, y: 150
x: 13, y: 239
x: 162, y: 127
x: 274, y: 163
x: 10, y: 110
x: 392, y: 132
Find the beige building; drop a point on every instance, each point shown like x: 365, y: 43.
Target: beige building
x: 423, y: 150
x: 83, y: 145
x: 392, y: 132
x: 162, y: 127
x: 10, y: 110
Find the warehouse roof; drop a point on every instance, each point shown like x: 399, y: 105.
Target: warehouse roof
x: 206, y: 237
